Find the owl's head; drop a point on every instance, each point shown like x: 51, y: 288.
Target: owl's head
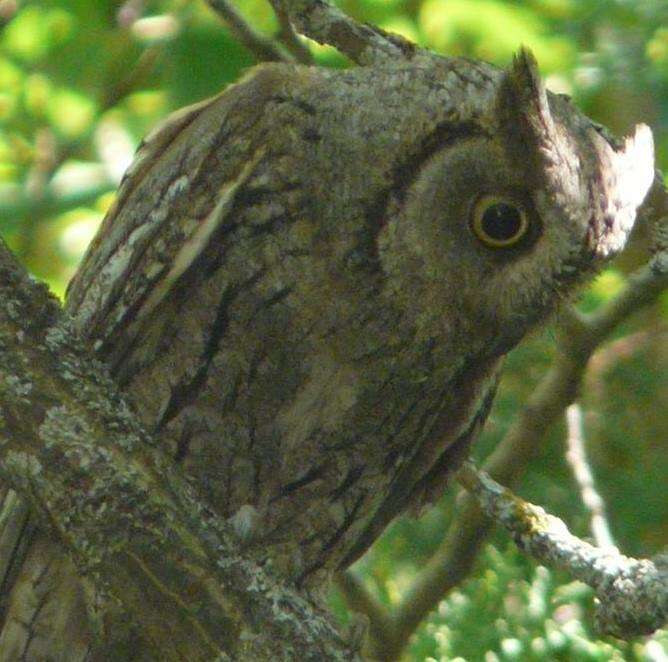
x: 524, y: 199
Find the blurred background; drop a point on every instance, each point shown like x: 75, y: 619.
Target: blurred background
x: 82, y: 80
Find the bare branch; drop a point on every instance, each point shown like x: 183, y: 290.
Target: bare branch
x: 576, y: 455
x: 448, y: 567
x: 264, y: 49
x: 363, y: 44
x: 632, y: 593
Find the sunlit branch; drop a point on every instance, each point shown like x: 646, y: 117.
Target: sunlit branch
x: 576, y: 456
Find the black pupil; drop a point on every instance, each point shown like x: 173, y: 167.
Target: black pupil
x: 501, y: 221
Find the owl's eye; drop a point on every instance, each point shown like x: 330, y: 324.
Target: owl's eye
x: 499, y: 222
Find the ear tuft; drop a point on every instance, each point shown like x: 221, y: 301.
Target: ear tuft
x: 527, y: 92
x: 525, y: 119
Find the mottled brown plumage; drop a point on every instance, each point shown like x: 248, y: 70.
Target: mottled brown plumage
x: 307, y: 283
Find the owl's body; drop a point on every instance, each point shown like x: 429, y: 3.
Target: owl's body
x: 291, y: 290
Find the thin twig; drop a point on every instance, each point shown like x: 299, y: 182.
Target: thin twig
x: 576, y: 456
x: 643, y: 287
x: 264, y: 49
x: 632, y: 593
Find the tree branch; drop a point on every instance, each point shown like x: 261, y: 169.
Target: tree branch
x: 363, y: 44
x: 633, y: 594
x: 70, y: 445
x: 576, y: 456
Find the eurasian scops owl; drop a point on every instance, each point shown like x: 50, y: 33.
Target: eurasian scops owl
x: 307, y: 283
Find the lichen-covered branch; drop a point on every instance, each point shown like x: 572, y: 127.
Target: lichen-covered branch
x: 70, y: 445
x: 632, y: 593
x: 363, y: 44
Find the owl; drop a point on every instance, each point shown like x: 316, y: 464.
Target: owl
x: 307, y: 284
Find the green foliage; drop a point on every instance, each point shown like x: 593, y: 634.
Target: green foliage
x: 514, y: 610
x: 78, y: 90
x: 491, y: 30
x: 80, y: 83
